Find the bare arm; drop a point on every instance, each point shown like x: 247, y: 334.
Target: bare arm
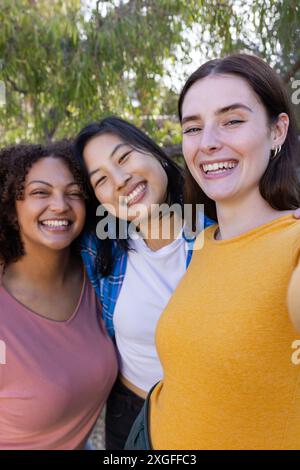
x: 294, y: 298
x: 294, y: 291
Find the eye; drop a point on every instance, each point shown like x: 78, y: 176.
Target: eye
x: 76, y: 195
x: 232, y: 122
x: 39, y: 193
x: 100, y: 181
x: 192, y: 130
x: 124, y: 157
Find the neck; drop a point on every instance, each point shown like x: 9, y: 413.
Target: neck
x: 161, y: 231
x: 248, y: 213
x: 42, y: 267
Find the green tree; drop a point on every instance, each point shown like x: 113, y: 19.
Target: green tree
x: 64, y: 65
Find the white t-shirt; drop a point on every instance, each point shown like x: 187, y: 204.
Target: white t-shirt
x: 150, y: 279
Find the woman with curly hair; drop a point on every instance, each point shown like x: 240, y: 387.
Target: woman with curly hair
x: 59, y: 363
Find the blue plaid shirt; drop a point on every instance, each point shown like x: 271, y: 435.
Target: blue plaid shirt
x: 108, y: 288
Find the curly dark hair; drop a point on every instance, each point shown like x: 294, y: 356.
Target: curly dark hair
x: 15, y: 163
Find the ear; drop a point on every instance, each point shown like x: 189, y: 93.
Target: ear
x: 279, y: 130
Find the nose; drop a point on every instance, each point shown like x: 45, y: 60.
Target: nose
x: 59, y: 203
x: 120, y: 178
x: 209, y: 141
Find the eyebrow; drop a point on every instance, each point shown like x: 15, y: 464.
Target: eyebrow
x: 48, y: 184
x: 230, y: 107
x: 117, y: 147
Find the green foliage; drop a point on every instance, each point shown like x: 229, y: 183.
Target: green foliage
x: 64, y: 66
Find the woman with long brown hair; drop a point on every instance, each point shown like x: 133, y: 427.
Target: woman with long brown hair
x: 226, y: 338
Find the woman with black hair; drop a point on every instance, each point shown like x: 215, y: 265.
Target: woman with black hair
x: 134, y: 272
x: 58, y: 364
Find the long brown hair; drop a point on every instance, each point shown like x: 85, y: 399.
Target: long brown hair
x: 279, y: 185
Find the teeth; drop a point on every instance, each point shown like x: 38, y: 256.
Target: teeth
x: 218, y: 166
x: 55, y: 223
x: 140, y: 188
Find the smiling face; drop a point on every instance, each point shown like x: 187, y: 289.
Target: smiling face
x: 123, y: 178
x: 226, y: 137
x: 52, y: 211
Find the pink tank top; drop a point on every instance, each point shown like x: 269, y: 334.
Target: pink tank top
x: 54, y: 376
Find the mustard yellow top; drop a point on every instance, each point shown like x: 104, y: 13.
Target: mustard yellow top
x: 226, y: 343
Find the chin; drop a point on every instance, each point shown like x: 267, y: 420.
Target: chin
x: 219, y: 192
x: 136, y: 214
x: 221, y: 198
x: 59, y: 247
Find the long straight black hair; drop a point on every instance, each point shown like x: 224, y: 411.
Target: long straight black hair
x: 137, y: 139
x: 279, y: 185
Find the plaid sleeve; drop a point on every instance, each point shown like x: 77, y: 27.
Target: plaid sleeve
x: 107, y: 288
x: 204, y: 222
x: 208, y: 222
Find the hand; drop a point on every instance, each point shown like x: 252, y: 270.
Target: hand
x: 296, y: 213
